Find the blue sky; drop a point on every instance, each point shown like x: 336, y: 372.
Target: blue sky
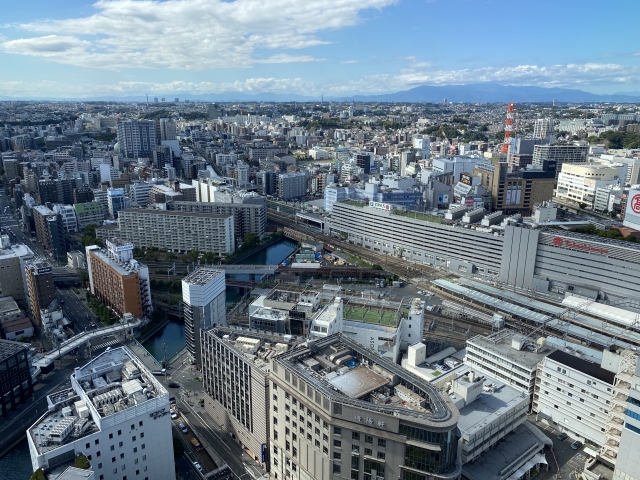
x: 76, y: 48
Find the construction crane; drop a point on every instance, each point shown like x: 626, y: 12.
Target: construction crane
x: 509, y: 136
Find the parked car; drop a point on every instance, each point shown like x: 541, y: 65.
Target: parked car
x: 198, y: 466
x: 183, y: 427
x: 174, y: 385
x: 174, y: 415
x: 562, y: 437
x: 576, y: 445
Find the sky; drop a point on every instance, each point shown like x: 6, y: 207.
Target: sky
x: 77, y: 48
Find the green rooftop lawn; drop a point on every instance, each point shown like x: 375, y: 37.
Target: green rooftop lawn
x: 420, y: 216
x: 367, y: 315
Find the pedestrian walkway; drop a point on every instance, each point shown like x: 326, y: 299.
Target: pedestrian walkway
x: 104, y: 345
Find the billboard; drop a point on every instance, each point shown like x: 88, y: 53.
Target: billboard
x: 466, y: 179
x: 513, y: 197
x: 381, y: 206
x: 468, y: 202
x: 443, y: 198
x: 632, y: 210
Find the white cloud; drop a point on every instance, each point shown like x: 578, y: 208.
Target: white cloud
x: 570, y: 76
x: 349, y: 61
x: 189, y: 34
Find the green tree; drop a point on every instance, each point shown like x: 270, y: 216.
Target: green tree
x: 191, y: 256
x: 38, y: 475
x: 178, y: 448
x: 81, y: 462
x: 250, y: 241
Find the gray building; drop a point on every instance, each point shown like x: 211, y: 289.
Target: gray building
x: 531, y: 258
x: 178, y: 231
x: 371, y: 419
x: 623, y: 442
x: 560, y: 154
x: 247, y: 217
x: 137, y: 138
x: 16, y: 386
x: 292, y: 185
x: 204, y: 299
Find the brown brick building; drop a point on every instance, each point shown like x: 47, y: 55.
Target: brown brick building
x: 118, y: 280
x: 42, y: 291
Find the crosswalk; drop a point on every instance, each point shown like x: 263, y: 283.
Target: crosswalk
x: 105, y: 345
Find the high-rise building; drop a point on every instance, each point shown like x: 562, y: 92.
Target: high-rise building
x: 40, y: 286
x: 121, y: 282
x: 560, y: 154
x: 49, y: 229
x: 622, y: 437
x: 373, y: 420
x: 204, y: 298
x: 117, y: 200
x: 16, y: 385
x: 13, y: 279
x: 137, y: 138
x: 543, y: 129
x: 116, y: 414
x: 243, y: 173
x: 365, y: 161
x: 240, y: 407
x: 87, y: 213
x: 167, y: 129
x: 178, y: 231
x: 292, y: 185
x: 82, y: 195
x: 67, y: 216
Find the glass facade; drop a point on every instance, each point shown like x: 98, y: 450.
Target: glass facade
x: 427, y: 460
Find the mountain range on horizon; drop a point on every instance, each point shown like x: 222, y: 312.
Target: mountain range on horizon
x: 470, y: 93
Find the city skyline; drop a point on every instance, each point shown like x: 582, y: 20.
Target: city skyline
x: 337, y: 48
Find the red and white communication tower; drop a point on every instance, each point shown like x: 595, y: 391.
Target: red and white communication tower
x: 509, y: 128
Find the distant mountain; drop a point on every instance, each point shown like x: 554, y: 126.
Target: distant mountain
x: 479, y: 92
x: 492, y: 92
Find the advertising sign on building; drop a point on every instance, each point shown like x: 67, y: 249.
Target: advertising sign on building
x: 443, y: 198
x: 380, y: 205
x: 468, y: 202
x: 632, y: 210
x: 466, y: 179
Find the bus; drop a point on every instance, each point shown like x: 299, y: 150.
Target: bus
x: 196, y: 444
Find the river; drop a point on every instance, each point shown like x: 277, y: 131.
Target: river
x: 16, y: 465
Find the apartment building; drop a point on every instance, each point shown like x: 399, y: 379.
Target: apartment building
x: 137, y: 138
x: 247, y: 217
x: 40, y: 286
x: 574, y: 394
x: 292, y: 185
x: 367, y: 419
x: 204, y: 300
x: 623, y: 432
x: 507, y: 356
x: 49, y: 229
x: 116, y: 414
x: 178, y: 231
x: 559, y: 154
x: 13, y: 280
x: 88, y: 213
x: 235, y: 367
x: 121, y: 282
x: 67, y: 216
x: 264, y: 152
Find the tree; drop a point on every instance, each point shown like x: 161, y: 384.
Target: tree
x: 81, y: 462
x: 191, y: 256
x: 38, y: 475
x: 178, y: 448
x: 250, y: 240
x: 582, y: 205
x: 170, y: 256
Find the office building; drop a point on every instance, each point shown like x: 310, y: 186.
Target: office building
x: 516, y: 192
x: 292, y: 185
x: 49, y: 229
x: 241, y: 408
x: 116, y: 414
x: 82, y: 195
x: 574, y: 394
x: 555, y: 260
x: 623, y: 431
x: 407, y: 157
x: 178, y: 231
x: 88, y: 213
x: 374, y: 420
x: 16, y: 385
x: 247, y: 217
x: 137, y: 138
x: 40, y: 287
x: 116, y: 201
x: 13, y: 279
x: 580, y: 182
x: 118, y: 280
x: 507, y: 356
x: 559, y: 154
x: 67, y: 216
x: 203, y: 297
x: 364, y: 160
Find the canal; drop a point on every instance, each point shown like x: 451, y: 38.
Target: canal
x: 171, y: 337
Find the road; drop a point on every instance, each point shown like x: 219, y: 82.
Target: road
x: 77, y: 310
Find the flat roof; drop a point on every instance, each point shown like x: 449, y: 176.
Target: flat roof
x: 202, y: 276
x: 9, y: 348
x: 358, y: 382
x: 589, y: 368
x: 500, y: 344
x: 171, y: 212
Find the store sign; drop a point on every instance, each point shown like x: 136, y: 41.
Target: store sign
x: 568, y: 243
x: 634, y: 203
x: 44, y: 270
x: 381, y: 206
x: 466, y: 179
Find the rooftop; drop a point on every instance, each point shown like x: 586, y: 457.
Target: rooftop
x: 9, y: 348
x: 589, y: 368
x: 171, y: 212
x: 499, y: 343
x: 346, y: 372
x: 110, y: 384
x: 8, y: 306
x: 73, y: 473
x: 123, y: 268
x: 202, y: 276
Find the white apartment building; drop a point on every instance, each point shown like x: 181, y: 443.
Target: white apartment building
x: 226, y: 158
x: 68, y: 217
x: 243, y: 173
x: 116, y: 414
x: 574, y: 394
x: 579, y: 182
x: 89, y: 212
x: 178, y: 231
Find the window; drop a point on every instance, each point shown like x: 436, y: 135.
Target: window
x: 143, y: 446
x: 381, y: 455
x: 119, y: 432
x: 140, y: 423
x: 355, y: 448
x: 337, y: 431
x: 578, y: 417
x: 337, y: 443
x: 141, y: 434
x: 294, y: 451
x: 113, y: 459
x: 113, y: 448
x: 337, y: 455
x: 275, y: 397
x: 120, y: 444
x: 87, y: 445
x: 275, y: 449
x: 98, y: 453
x: 368, y: 439
x: 325, y: 437
x: 317, y: 443
x: 99, y: 465
x: 355, y: 435
x: 132, y: 426
x: 275, y: 435
x: 135, y: 449
x: 382, y: 442
x: 368, y: 451
x: 122, y: 455
x: 111, y: 435
x: 97, y: 442
x: 288, y: 445
x: 133, y: 439
x: 325, y: 450
x: 336, y: 468
x: 275, y: 420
